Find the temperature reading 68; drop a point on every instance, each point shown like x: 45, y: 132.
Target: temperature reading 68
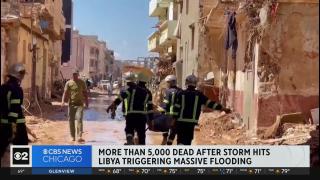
x: 200, y: 171
x: 285, y: 171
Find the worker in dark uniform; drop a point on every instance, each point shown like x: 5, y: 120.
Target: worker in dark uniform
x: 142, y: 81
x: 188, y: 104
x: 13, y: 124
x: 135, y: 100
x: 168, y: 106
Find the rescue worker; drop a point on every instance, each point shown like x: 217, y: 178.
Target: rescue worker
x: 188, y: 104
x: 168, y: 106
x: 135, y: 100
x: 13, y: 125
x: 142, y: 81
x: 76, y: 94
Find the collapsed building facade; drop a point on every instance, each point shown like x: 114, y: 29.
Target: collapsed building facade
x: 270, y: 68
x: 32, y: 34
x: 276, y: 67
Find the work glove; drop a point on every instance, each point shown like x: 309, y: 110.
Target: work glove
x: 113, y: 114
x: 111, y: 107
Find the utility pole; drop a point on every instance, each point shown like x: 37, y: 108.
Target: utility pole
x: 34, y: 59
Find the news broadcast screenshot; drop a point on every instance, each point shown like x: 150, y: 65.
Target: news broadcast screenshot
x: 159, y: 87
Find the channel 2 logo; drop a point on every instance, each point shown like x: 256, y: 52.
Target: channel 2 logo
x: 20, y: 156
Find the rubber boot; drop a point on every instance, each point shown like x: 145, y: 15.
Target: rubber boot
x: 169, y: 142
x: 129, y: 140
x: 165, y: 138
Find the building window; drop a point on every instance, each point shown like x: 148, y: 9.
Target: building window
x: 24, y: 51
x: 92, y: 62
x: 92, y: 51
x: 187, y: 6
x: 192, y: 37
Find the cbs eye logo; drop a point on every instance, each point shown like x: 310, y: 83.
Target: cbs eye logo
x: 20, y: 156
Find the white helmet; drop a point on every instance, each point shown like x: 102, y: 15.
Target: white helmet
x: 130, y: 77
x: 191, y: 80
x: 17, y: 70
x: 170, y: 78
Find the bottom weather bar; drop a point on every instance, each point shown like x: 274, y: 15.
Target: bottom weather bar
x: 160, y: 160
x: 160, y: 171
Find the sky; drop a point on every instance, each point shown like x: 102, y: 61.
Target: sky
x: 123, y: 24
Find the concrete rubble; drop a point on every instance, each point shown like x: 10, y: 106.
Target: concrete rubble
x: 220, y: 129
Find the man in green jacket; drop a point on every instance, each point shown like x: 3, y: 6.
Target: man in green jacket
x: 76, y: 94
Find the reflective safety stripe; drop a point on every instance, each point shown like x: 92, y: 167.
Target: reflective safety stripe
x: 4, y: 121
x: 150, y: 102
x: 177, y: 105
x: 208, y: 102
x: 146, y: 103
x: 12, y: 114
x: 166, y: 101
x: 195, y: 106
x: 188, y: 120
x: 172, y: 104
x: 21, y: 120
x: 182, y: 109
x: 132, y: 100
x: 8, y: 99
x: 134, y: 112
x: 126, y: 102
x: 15, y: 101
x: 129, y: 135
x: 215, y: 105
x: 171, y: 113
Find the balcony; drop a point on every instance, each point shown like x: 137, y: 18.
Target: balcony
x: 9, y: 8
x: 158, y: 7
x: 153, y: 42
x: 167, y: 32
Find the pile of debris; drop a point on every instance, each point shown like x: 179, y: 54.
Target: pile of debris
x: 216, y: 128
x: 164, y: 68
x: 220, y: 128
x: 223, y: 129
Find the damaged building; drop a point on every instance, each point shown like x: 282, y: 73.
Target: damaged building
x: 260, y: 58
x: 273, y: 68
x: 33, y: 32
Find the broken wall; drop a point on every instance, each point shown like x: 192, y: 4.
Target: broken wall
x: 289, y: 63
